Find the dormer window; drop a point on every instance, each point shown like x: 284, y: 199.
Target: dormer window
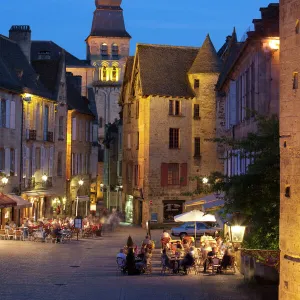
x: 104, y: 49
x: 42, y: 55
x: 196, y: 84
x: 115, y: 50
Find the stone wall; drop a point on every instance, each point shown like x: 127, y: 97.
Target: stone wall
x: 289, y: 152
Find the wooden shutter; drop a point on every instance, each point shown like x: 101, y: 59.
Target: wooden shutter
x: 7, y: 116
x: 43, y: 159
x: 164, y: 174
x: 7, y: 161
x: 74, y: 129
x: 12, y: 114
x: 183, y: 174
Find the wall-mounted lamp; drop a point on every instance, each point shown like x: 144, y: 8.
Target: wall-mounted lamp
x: 27, y: 97
x: 44, y: 177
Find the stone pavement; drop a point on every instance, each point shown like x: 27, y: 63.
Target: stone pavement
x: 87, y: 270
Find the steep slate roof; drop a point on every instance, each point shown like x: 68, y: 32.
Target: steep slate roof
x: 55, y: 53
x: 16, y: 73
x: 108, y: 20
x: 128, y: 69
x: 163, y: 69
x: 49, y: 71
x: 75, y: 100
x: 207, y: 60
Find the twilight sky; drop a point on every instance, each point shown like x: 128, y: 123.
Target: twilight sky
x: 174, y: 22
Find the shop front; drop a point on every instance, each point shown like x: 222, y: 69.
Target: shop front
x: 171, y: 208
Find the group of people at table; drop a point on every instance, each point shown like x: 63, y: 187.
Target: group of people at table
x: 176, y: 255
x: 56, y: 228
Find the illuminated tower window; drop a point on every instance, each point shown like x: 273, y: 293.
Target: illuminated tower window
x: 104, y: 73
x: 114, y: 74
x: 297, y: 27
x: 295, y: 80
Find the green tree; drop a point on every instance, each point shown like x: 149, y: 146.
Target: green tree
x: 255, y: 195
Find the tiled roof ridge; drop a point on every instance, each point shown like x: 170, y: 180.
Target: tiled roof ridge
x: 166, y: 46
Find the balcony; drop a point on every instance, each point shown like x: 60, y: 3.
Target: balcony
x: 31, y: 184
x: 50, y: 137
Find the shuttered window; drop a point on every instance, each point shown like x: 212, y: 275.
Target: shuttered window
x: 174, y: 174
x: 59, y: 164
x: 12, y: 162
x: 197, y: 147
x: 183, y: 174
x: 196, y: 111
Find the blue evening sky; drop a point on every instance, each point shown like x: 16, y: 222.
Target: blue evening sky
x: 174, y: 22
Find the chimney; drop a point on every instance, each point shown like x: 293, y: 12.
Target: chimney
x: 21, y: 34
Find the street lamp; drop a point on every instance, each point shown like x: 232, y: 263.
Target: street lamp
x: 4, y: 180
x: 80, y: 182
x: 234, y: 234
x: 205, y: 180
x: 119, y: 188
x: 44, y: 177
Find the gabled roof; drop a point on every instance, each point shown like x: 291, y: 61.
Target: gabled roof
x: 16, y: 73
x: 207, y: 60
x: 163, y: 69
x: 55, y: 52
x: 128, y: 69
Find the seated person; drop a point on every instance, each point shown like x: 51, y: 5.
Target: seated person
x: 165, y: 259
x: 165, y: 234
x: 7, y: 225
x: 187, y: 261
x: 56, y: 233
x: 130, y: 263
x: 189, y: 239
x: 226, y: 261
x: 186, y: 245
x: 121, y: 254
x: 147, y: 241
x: 210, y: 255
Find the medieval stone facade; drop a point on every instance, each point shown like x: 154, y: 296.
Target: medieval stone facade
x: 169, y: 111
x: 289, y: 150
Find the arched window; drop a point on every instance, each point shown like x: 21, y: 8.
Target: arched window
x: 104, y: 73
x: 115, y: 50
x: 104, y: 49
x: 114, y: 74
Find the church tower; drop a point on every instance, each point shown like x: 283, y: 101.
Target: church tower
x: 107, y: 51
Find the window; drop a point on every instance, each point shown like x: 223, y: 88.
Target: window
x: 104, y: 73
x: 100, y: 122
x: 114, y: 74
x: 196, y: 111
x: 197, y: 147
x: 87, y: 131
x: 137, y: 141
x: 129, y: 113
x: 74, y: 129
x: 81, y: 130
x: 115, y: 50
x: 12, y: 162
x: 73, y: 164
x: 174, y: 138
x: 137, y: 109
x: 42, y: 55
x: 61, y: 128
x: 37, y: 159
x: 196, y: 84
x: 297, y: 27
x: 129, y: 173
x: 104, y: 49
x: 136, y: 175
x: 46, y: 122
x: 173, y: 174
x: 174, y: 108
x: 59, y: 164
x: 2, y: 160
x: 295, y: 80
x: 3, y: 113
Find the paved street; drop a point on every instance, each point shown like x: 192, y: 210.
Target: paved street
x: 87, y: 270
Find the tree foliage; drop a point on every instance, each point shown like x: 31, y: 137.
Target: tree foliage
x: 256, y: 194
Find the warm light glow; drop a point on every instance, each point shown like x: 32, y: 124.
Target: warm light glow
x: 44, y: 177
x: 237, y: 233
x: 64, y: 200
x: 205, y: 180
x: 274, y: 44
x: 93, y: 207
x: 27, y: 97
x: 4, y: 180
x: 271, y: 44
x: 80, y: 182
x: 101, y: 185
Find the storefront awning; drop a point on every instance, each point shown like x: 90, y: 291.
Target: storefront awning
x: 6, y: 201
x: 21, y: 203
x: 208, y: 202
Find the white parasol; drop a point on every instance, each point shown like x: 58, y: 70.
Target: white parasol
x: 191, y: 216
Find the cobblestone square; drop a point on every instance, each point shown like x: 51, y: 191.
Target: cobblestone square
x: 87, y: 270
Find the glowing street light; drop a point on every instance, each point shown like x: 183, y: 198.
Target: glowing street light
x: 81, y: 182
x: 4, y: 180
x: 44, y: 177
x: 205, y: 180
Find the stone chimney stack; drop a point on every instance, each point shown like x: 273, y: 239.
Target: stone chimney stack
x: 22, y: 35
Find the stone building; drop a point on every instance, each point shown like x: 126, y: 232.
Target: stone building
x: 248, y: 83
x: 169, y: 112
x: 289, y: 150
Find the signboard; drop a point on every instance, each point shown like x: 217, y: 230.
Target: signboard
x: 151, y: 202
x: 78, y: 223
